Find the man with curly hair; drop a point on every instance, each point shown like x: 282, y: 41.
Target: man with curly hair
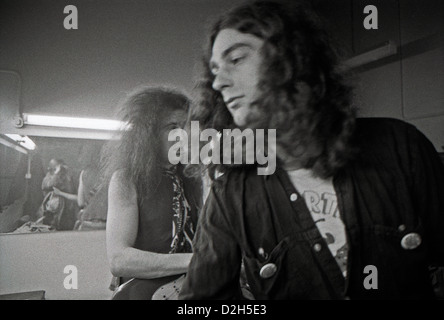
x: 152, y: 206
x: 355, y: 208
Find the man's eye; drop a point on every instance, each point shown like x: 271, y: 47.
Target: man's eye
x: 236, y: 60
x: 172, y: 126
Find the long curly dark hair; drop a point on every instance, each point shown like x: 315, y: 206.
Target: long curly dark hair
x: 304, y: 94
x: 136, y: 151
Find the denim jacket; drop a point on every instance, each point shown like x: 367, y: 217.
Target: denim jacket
x: 393, y: 189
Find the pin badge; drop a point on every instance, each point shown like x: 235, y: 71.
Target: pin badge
x: 411, y: 241
x: 268, y: 270
x: 262, y: 253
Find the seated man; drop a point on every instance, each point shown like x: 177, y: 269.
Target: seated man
x: 60, y: 200
x: 350, y: 199
x: 152, y: 206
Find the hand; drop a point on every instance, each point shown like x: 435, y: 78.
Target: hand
x: 57, y: 191
x: 57, y: 169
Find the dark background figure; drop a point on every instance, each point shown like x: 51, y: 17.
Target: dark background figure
x: 92, y: 196
x: 59, y: 211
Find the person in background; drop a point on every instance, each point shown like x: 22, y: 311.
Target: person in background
x: 92, y: 194
x: 60, y: 200
x: 355, y: 209
x: 152, y: 206
x: 89, y: 178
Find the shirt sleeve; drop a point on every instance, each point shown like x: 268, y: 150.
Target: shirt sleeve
x: 428, y: 184
x: 215, y: 267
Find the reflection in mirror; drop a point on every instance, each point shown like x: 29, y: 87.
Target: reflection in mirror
x: 49, y: 184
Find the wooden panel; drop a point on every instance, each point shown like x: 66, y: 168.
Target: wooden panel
x: 423, y: 84
x: 378, y: 92
x: 388, y: 24
x: 433, y: 128
x: 337, y: 16
x: 422, y: 28
x: 420, y: 19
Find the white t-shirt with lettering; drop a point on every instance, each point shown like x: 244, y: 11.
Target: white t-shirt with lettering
x: 320, y: 197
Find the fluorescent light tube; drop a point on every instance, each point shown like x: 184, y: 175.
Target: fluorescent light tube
x: 72, y: 122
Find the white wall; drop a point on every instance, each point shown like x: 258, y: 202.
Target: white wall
x: 410, y: 87
x: 119, y: 44
x: 30, y: 262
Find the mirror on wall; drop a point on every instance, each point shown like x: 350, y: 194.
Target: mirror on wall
x: 50, y: 184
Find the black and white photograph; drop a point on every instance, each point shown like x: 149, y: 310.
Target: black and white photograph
x: 221, y: 150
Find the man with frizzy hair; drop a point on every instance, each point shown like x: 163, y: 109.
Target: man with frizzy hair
x: 355, y: 209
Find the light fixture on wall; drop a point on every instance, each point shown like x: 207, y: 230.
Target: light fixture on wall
x: 10, y: 144
x: 73, y: 122
x: 24, y: 141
